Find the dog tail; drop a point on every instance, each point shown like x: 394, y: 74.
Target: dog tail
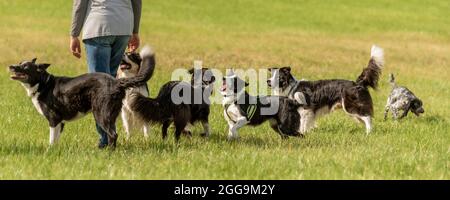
x: 392, y: 80
x: 145, y: 108
x: 145, y: 72
x: 370, y: 75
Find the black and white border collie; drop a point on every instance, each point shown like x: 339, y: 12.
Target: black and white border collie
x: 129, y: 67
x: 62, y: 99
x: 242, y: 109
x: 179, y: 102
x: 323, y: 96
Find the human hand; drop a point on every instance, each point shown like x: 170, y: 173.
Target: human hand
x: 75, y: 47
x: 133, y: 44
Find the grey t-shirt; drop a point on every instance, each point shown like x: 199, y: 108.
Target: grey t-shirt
x: 105, y: 17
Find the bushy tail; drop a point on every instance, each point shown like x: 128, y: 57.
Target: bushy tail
x: 370, y: 75
x: 145, y: 71
x: 145, y: 108
x: 392, y: 80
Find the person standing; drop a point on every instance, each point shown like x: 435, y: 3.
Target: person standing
x: 109, y: 27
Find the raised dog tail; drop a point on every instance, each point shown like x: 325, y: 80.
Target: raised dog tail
x: 371, y: 74
x: 145, y: 72
x: 392, y: 80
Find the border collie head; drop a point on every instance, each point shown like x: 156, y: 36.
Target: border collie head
x: 201, y: 77
x: 416, y: 107
x: 280, y: 77
x: 130, y: 65
x: 232, y: 85
x: 29, y: 72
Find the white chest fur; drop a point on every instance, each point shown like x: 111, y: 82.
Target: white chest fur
x: 32, y: 92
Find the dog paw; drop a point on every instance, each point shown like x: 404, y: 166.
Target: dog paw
x: 187, y: 133
x: 102, y: 145
x: 232, y: 138
x: 204, y: 135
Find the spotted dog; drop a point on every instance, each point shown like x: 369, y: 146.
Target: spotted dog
x: 401, y: 98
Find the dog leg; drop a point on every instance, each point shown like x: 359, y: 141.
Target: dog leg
x: 126, y: 123
x: 386, y: 109
x: 275, y: 126
x: 404, y: 114
x: 187, y: 130
x: 206, y: 129
x: 405, y: 111
x: 230, y: 133
x: 165, y: 126
x: 180, y: 125
x: 242, y: 121
x: 55, y: 133
x: 368, y: 122
x: 309, y: 121
x: 395, y: 113
x: 145, y: 130
x: 107, y: 124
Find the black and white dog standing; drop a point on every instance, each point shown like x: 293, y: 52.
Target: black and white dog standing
x: 401, y: 98
x: 129, y: 67
x: 323, y: 96
x: 242, y: 109
x: 62, y: 99
x: 179, y: 102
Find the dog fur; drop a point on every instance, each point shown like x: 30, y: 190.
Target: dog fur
x: 401, y: 98
x: 237, y: 103
x: 62, y: 99
x: 164, y: 110
x: 324, y: 96
x: 129, y: 67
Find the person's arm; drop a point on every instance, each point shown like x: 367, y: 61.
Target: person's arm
x: 137, y: 9
x: 133, y: 44
x: 79, y: 11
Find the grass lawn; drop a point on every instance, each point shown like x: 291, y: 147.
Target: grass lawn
x: 318, y: 39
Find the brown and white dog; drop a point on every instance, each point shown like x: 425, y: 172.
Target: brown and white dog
x: 129, y: 67
x: 323, y: 96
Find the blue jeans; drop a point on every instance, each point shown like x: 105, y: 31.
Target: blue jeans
x: 104, y: 55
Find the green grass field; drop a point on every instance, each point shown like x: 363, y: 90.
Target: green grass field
x: 319, y: 39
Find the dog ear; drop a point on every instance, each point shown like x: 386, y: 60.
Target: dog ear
x: 43, y: 66
x: 213, y: 79
x: 34, y: 60
x: 416, y: 102
x: 272, y: 68
x: 286, y: 69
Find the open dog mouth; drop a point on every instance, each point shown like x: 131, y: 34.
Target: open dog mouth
x: 17, y: 75
x: 125, y: 66
x: 223, y: 88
